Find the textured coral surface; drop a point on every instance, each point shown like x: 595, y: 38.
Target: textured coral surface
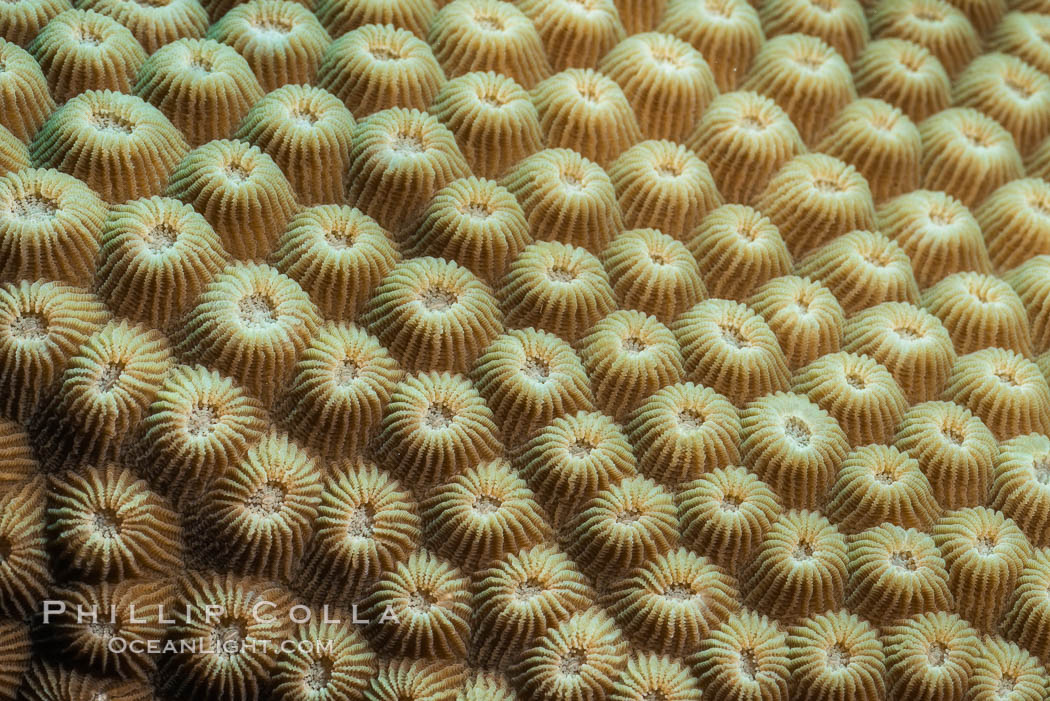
x: 552, y: 350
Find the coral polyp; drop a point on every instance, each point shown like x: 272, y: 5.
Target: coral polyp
x: 725, y: 514
x: 586, y: 450
x: 857, y: 392
x: 682, y: 431
x: 49, y: 227
x: 738, y: 250
x: 529, y: 378
x: 82, y: 50
x: 939, y: 234
x: 577, y: 658
x: 954, y: 449
x: 728, y: 33
x: 520, y: 596
x: 663, y: 185
x: 489, y: 35
x: 199, y: 424
x: 806, y: 77
x: 102, y: 395
x: 629, y: 356
x: 339, y: 388
x: 905, y: 75
x: 930, y: 656
x: 804, y: 316
x: 250, y: 311
x: 260, y: 512
x: 366, y: 524
x: 282, y: 41
x: 477, y: 223
x: 557, y: 288
x: 910, y: 342
x: 835, y: 655
x: 106, y: 525
x: 793, y: 445
x: 813, y: 199
x: 306, y: 131
x: 205, y: 88
x: 799, y: 567
x: 877, y: 484
x: 744, y: 138
x: 481, y: 515
x: 729, y: 347
x: 431, y: 604
x: 575, y: 34
x: 377, y: 67
x: 435, y: 426
x: 746, y: 658
x: 671, y: 603
x: 666, y: 81
x: 41, y: 326
x: 653, y: 273
x: 493, y: 119
x: 156, y: 256
x: 399, y: 160
x: 433, y: 314
x: 338, y: 255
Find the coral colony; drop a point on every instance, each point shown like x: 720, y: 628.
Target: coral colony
x: 538, y: 350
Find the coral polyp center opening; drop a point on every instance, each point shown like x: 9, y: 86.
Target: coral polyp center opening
x: 904, y: 560
x: 161, y: 237
x: 634, y: 344
x: 319, y: 674
x: 201, y: 420
x: 731, y: 503
x: 226, y: 637
x: 421, y: 601
x: 803, y: 551
x: 573, y: 661
x: 476, y: 209
x: 748, y: 664
x: 109, y: 377
x: 347, y: 371
x: 267, y: 500
x: 1041, y: 467
x: 908, y: 333
x: 361, y: 522
x: 257, y: 310
x: 34, y: 207
x: 838, y: 657
x: 341, y: 238
x: 109, y: 121
x: 385, y: 52
x: 690, y: 419
x: 272, y: 26
x: 953, y: 435
x: 86, y: 36
x: 561, y: 273
x: 238, y: 171
x: 487, y: 504
x: 537, y: 369
x: 438, y: 416
x: 937, y: 654
x: 798, y: 431
x: 733, y: 336
x: 580, y: 448
x: 856, y: 381
x: 438, y: 299
x: 29, y: 327
x: 106, y: 523
x: 490, y: 22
